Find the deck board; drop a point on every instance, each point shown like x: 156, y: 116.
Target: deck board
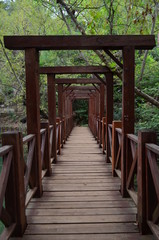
x: 81, y: 199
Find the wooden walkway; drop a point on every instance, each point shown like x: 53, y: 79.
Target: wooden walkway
x: 81, y: 200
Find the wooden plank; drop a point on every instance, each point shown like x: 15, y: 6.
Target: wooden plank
x: 114, y: 236
x: 73, y: 70
x: 51, y: 187
x: 81, y: 228
x: 81, y: 212
x: 81, y: 181
x: 76, y: 80
x: 82, y: 193
x: 78, y: 199
x: 81, y: 219
x: 81, y: 199
x: 85, y: 204
x: 79, y: 42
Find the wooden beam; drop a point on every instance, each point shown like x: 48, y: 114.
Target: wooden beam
x: 128, y: 117
x: 60, y: 101
x: 33, y: 112
x: 77, y: 42
x: 109, y: 111
x: 73, y: 70
x: 77, y: 80
x: 81, y: 97
x: 52, y: 110
x: 81, y: 88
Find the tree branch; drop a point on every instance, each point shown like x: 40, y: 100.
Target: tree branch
x: 10, y: 64
x: 103, y: 59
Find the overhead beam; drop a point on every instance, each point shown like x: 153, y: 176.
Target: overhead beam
x: 73, y: 70
x: 81, y: 88
x: 77, y: 81
x: 112, y: 42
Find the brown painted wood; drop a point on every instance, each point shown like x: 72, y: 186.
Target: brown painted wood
x: 109, y: 111
x: 52, y: 110
x: 84, y: 228
x: 15, y: 191
x: 60, y: 101
x: 73, y: 70
x: 82, y: 203
x: 143, y: 137
x: 81, y: 88
x: 101, y: 114
x: 33, y: 111
x: 79, y: 42
x: 47, y: 156
x: 77, y: 80
x: 127, y: 107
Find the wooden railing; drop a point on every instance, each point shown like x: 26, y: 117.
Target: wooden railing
x: 132, y: 160
x: 141, y: 171
x: 28, y: 151
x: 152, y: 188
x: 6, y: 152
x: 19, y: 175
x: 104, y: 134
x: 116, y: 148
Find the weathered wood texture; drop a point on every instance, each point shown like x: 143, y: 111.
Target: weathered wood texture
x: 81, y: 199
x: 79, y: 42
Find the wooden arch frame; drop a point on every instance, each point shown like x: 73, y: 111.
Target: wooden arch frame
x: 33, y: 44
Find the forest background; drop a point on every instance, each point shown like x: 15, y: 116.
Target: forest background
x: 69, y: 17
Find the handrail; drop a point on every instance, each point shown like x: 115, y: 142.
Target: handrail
x: 152, y: 188
x: 7, y: 153
x: 132, y: 159
x: 30, y: 189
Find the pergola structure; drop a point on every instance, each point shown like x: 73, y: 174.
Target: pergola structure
x: 33, y: 44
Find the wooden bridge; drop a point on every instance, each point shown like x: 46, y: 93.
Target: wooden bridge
x: 66, y: 182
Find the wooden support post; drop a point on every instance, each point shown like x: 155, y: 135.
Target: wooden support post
x: 127, y: 107
x: 102, y: 93
x: 15, y: 191
x: 58, y: 120
x: 47, y: 157
x: 64, y: 117
x: 109, y: 110
x: 116, y: 124
x: 33, y: 112
x: 143, y: 137
x: 52, y: 111
x: 103, y: 133
x: 60, y: 100
x: 60, y: 108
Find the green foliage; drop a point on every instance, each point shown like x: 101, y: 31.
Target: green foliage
x: 39, y: 17
x: 80, y: 110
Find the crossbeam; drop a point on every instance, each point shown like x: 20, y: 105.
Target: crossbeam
x: 112, y: 42
x: 81, y: 88
x: 77, y: 81
x: 73, y: 70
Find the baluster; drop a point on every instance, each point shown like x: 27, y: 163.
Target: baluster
x: 15, y: 191
x: 143, y: 137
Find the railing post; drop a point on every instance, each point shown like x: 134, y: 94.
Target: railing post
x: 52, y: 111
x: 33, y: 112
x: 109, y: 110
x: 103, y: 133
x: 59, y: 136
x: 116, y: 124
x: 15, y: 191
x: 143, y: 137
x: 102, y: 93
x: 64, y: 124
x: 128, y: 118
x: 47, y: 157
